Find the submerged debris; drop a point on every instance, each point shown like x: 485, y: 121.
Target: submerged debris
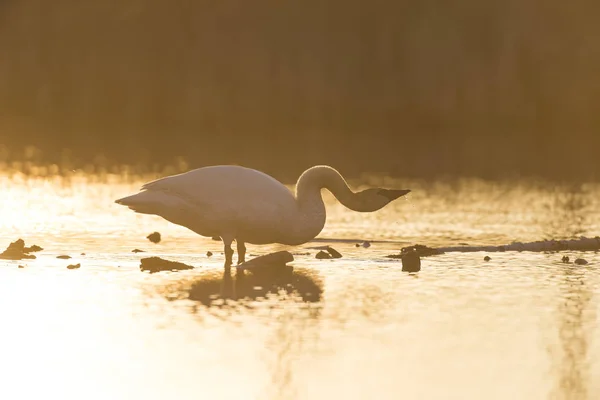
x: 63, y: 257
x: 17, y: 251
x: 73, y: 266
x: 581, y: 244
x: 157, y: 264
x: 487, y: 258
x: 323, y: 255
x: 154, y: 237
x: 581, y: 261
x: 137, y: 251
x: 422, y: 251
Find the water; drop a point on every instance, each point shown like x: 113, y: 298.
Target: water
x: 521, y: 326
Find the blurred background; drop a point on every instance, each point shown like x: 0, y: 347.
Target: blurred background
x: 484, y: 88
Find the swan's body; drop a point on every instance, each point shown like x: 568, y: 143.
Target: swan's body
x: 242, y: 204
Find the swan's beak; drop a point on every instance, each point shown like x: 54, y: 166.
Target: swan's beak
x: 392, y: 194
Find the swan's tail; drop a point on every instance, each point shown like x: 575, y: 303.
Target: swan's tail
x: 146, y: 202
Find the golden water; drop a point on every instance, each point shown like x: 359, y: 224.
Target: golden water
x: 521, y: 326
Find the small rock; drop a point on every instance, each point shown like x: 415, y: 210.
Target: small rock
x: 21, y: 266
x: 154, y: 237
x: 333, y: 252
x: 63, y: 257
x: 487, y: 258
x: 581, y: 261
x: 156, y: 264
x: 357, y: 245
x: 322, y: 255
x: 565, y: 259
x: 137, y: 251
x: 74, y: 266
x: 208, y: 253
x: 32, y: 249
x: 83, y: 254
x: 366, y: 245
x: 411, y: 262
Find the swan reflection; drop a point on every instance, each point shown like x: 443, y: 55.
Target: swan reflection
x: 298, y: 285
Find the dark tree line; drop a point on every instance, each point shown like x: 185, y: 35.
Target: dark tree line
x: 426, y: 87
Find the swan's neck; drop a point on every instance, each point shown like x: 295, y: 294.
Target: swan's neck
x: 311, y: 209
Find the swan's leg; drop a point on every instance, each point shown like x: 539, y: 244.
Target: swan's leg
x: 228, y: 251
x: 241, y: 249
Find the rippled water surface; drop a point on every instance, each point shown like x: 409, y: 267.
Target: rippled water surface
x: 521, y: 326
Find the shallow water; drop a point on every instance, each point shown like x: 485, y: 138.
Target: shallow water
x: 521, y: 326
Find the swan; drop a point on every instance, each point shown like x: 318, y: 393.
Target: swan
x: 248, y: 206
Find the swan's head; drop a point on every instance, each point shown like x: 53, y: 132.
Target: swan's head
x: 374, y: 199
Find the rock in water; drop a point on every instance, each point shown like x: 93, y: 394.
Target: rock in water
x: 208, y: 253
x: 565, y: 259
x: 487, y: 258
x: 154, y: 237
x: 334, y: 253
x: 322, y: 255
x: 137, y: 251
x: 411, y: 262
x: 269, y: 264
x: 74, y: 266
x: 17, y: 251
x: 157, y: 264
x: 581, y: 261
x: 63, y: 257
x: 32, y: 249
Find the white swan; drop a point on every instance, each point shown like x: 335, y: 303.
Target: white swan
x: 248, y: 206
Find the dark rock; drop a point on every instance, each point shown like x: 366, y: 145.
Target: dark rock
x: 154, y: 237
x: 137, y: 251
x: 157, y: 264
x: 21, y: 266
x: 411, y: 262
x: 32, y: 249
x: 63, y: 257
x: 334, y: 253
x: 208, y: 253
x: 83, y: 254
x: 17, y: 251
x: 487, y: 258
x: 565, y: 259
x: 322, y: 255
x: 581, y: 261
x: 74, y: 266
x: 269, y: 265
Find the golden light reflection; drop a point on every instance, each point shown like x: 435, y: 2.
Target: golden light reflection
x: 351, y: 327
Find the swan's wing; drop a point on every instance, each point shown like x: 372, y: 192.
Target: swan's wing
x: 230, y: 195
